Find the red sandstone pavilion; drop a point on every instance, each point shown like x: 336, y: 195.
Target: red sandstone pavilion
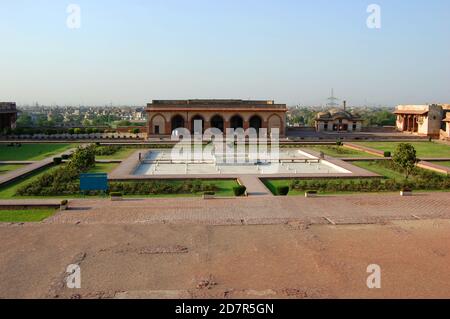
x: 165, y: 116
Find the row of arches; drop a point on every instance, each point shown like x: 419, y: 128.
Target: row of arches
x: 218, y: 122
x: 160, y: 126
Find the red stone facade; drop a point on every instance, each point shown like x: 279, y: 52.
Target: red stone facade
x: 8, y: 115
x: 164, y: 116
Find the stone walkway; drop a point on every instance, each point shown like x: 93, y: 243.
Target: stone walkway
x: 434, y: 166
x: 29, y: 169
x: 255, y: 187
x: 343, y: 209
x: 16, y: 162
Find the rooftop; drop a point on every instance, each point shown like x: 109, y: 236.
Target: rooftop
x: 216, y: 103
x: 337, y: 114
x: 8, y: 107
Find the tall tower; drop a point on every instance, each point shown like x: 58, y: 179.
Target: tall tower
x: 332, y: 100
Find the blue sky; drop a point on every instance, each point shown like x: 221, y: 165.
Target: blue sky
x: 133, y: 51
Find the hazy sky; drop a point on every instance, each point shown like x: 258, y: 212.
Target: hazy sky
x: 133, y: 51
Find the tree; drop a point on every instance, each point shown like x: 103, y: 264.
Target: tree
x: 405, y: 158
x: 83, y: 159
x: 24, y: 120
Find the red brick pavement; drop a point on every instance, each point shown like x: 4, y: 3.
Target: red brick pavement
x: 361, y: 208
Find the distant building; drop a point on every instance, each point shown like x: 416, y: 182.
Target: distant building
x: 8, y: 115
x: 425, y: 120
x: 338, y: 120
x: 165, y: 116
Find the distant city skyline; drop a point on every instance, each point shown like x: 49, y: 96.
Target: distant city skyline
x: 293, y: 52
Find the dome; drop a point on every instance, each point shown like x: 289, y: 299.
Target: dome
x: 337, y: 113
x: 323, y: 114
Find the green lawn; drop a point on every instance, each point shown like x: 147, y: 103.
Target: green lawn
x: 9, y: 191
x: 22, y: 216
x: 443, y: 163
x: 424, y: 149
x: 120, y: 154
x: 375, y: 167
x: 338, y: 151
x: 32, y: 152
x: 103, y: 167
x: 9, y: 167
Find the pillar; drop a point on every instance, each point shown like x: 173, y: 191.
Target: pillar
x: 168, y: 128
x: 226, y: 124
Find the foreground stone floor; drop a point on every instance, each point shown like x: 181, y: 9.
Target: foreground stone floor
x: 266, y: 247
x: 198, y: 261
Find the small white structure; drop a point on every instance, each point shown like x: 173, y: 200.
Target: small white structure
x: 338, y: 120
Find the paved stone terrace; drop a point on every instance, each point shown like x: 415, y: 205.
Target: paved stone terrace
x: 255, y: 186
x: 361, y: 208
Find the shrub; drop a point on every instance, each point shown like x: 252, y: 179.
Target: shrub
x: 339, y: 142
x: 387, y: 154
x: 83, y: 159
x: 209, y: 193
x: 116, y: 194
x: 106, y: 150
x: 65, y: 156
x: 239, y: 190
x: 282, y: 190
x: 77, y: 131
x: 63, y: 180
x: 64, y: 202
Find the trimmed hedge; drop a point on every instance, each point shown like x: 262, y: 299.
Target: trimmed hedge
x: 282, y: 190
x: 106, y: 150
x: 239, y: 190
x: 161, y: 187
x: 421, y: 179
x: 116, y: 194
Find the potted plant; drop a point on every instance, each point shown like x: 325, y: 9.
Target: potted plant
x: 406, y: 191
x: 64, y: 205
x: 209, y: 195
x: 116, y: 196
x: 311, y: 193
